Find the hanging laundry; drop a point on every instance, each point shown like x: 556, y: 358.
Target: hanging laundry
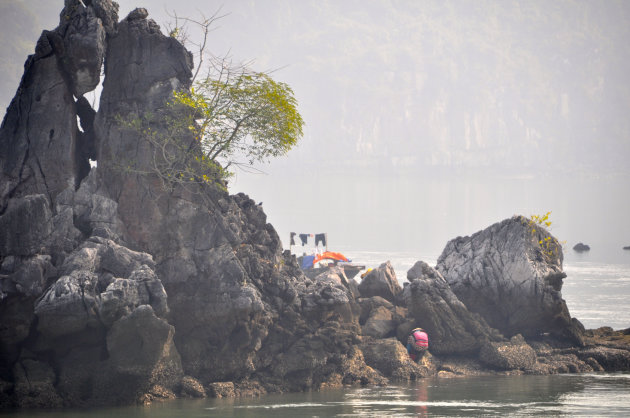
x: 320, y: 238
x: 304, y: 239
x: 293, y: 238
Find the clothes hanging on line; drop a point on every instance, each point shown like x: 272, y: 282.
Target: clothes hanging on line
x: 304, y: 239
x: 293, y: 238
x: 320, y: 238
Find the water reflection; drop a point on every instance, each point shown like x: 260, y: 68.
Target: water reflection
x: 422, y: 398
x: 587, y: 394
x: 521, y: 395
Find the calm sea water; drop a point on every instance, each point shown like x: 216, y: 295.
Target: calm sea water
x: 596, y: 293
x: 558, y: 395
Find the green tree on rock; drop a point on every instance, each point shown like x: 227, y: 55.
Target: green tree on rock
x: 232, y: 117
x: 248, y: 116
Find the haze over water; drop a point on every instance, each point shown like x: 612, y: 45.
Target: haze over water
x: 424, y: 120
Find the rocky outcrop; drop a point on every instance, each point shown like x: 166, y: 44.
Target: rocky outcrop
x: 451, y: 327
x: 191, y: 387
x: 39, y: 136
x: 115, y: 289
x: 381, y: 282
x: 609, y: 347
x: 34, y: 385
x: 581, y: 247
x: 390, y: 357
x: 99, y: 283
x: 222, y: 390
x: 515, y: 354
x: 511, y: 274
x: 104, y: 321
x: 380, y: 318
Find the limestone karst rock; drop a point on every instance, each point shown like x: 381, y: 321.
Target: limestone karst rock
x: 451, y: 327
x: 382, y: 282
x: 511, y: 274
x: 115, y: 289
x: 39, y: 136
x: 515, y: 354
x: 390, y: 357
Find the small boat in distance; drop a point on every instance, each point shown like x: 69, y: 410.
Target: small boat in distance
x: 314, y: 265
x: 320, y: 261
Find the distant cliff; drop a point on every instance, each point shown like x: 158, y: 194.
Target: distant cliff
x: 432, y: 85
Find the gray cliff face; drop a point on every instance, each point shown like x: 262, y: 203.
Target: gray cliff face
x: 39, y: 140
x: 513, y: 281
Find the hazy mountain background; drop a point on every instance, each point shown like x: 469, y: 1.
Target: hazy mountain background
x: 425, y: 119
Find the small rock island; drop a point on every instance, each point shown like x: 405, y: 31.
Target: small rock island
x: 116, y: 291
x: 581, y: 247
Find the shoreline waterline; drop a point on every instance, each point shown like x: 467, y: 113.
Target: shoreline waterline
x: 524, y: 395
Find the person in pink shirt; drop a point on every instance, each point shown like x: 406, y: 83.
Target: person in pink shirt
x: 417, y: 344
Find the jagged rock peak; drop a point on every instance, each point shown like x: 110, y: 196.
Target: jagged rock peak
x: 83, y: 28
x: 138, y: 13
x: 41, y: 148
x: 105, y: 10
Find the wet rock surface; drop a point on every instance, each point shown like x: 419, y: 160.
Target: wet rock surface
x: 390, y: 357
x: 515, y: 354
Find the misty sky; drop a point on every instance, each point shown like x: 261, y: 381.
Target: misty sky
x: 426, y: 120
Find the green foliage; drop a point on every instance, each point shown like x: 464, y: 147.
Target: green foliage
x: 202, y: 133
x: 248, y: 116
x: 541, y: 220
x: 548, y: 245
x: 171, y: 153
x: 233, y: 117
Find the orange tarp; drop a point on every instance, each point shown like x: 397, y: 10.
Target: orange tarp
x: 329, y: 255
